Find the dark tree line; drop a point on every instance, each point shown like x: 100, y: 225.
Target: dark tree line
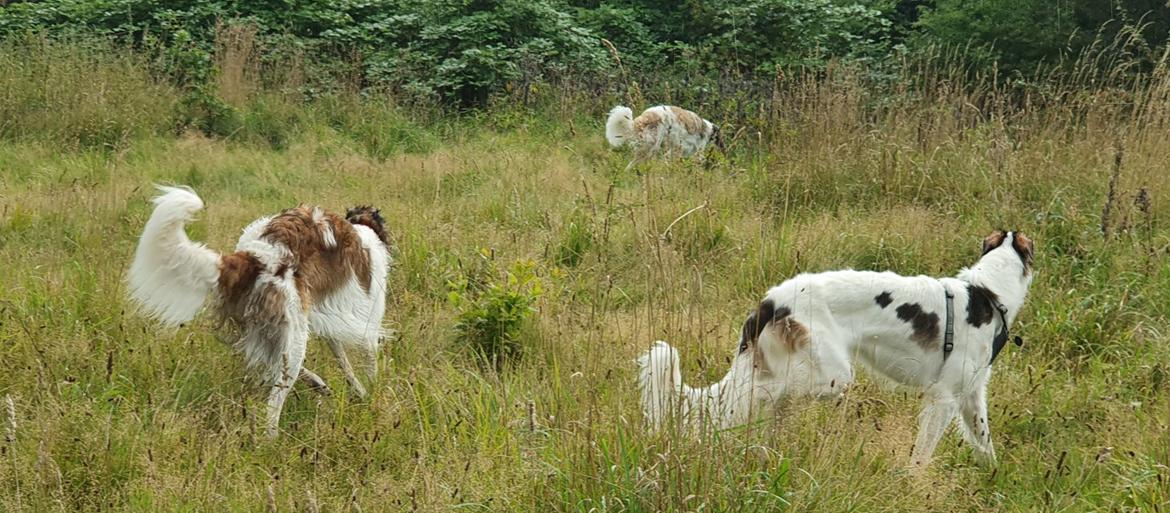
x: 462, y: 51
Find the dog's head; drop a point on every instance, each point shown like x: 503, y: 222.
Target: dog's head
x: 369, y: 217
x: 1020, y: 244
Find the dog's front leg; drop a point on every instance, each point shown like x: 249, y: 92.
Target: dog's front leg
x: 346, y: 368
x: 640, y: 155
x: 976, y: 427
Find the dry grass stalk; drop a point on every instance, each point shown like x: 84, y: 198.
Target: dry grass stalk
x: 10, y: 425
x: 50, y: 472
x: 633, y: 92
x: 237, y: 59
x: 1107, y: 211
x: 531, y: 416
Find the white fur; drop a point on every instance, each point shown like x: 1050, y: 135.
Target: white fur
x: 171, y: 277
x: 670, y: 136
x: 665, y: 397
x: 325, y: 227
x: 845, y: 324
x: 619, y: 126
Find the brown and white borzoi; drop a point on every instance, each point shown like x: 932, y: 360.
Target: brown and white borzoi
x: 305, y: 270
x: 808, y: 331
x: 663, y: 128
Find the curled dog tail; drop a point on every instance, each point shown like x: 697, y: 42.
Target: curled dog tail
x: 619, y: 127
x: 660, y: 382
x: 171, y: 276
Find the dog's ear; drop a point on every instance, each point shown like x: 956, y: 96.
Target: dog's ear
x: 756, y: 322
x: 993, y: 241
x: 748, y: 333
x: 1024, y: 247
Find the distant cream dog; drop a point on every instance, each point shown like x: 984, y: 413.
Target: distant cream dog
x: 305, y: 270
x: 938, y: 335
x: 663, y: 128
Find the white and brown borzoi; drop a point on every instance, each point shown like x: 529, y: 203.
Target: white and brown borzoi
x: 663, y: 128
x: 808, y: 331
x: 305, y: 270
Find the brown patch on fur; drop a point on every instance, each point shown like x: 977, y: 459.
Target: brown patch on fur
x: 649, y: 120
x: 925, y: 325
x: 794, y: 335
x: 265, y: 321
x: 237, y: 277
x: 319, y: 269
x: 993, y: 241
x: 1024, y: 248
x: 689, y: 120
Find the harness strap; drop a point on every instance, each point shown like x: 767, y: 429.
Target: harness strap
x: 949, y: 334
x: 1001, y: 337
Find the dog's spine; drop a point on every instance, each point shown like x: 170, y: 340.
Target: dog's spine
x: 172, y: 276
x: 619, y: 127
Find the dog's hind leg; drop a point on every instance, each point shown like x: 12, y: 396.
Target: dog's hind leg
x: 976, y: 428
x: 315, y: 382
x: 936, y: 417
x: 343, y: 321
x: 339, y: 352
x: 286, y: 371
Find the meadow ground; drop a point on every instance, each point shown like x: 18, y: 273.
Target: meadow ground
x: 112, y: 413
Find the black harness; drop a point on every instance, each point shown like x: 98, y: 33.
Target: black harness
x: 1001, y: 337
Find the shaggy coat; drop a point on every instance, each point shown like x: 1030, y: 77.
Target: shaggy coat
x: 663, y: 128
x: 806, y: 334
x: 305, y: 270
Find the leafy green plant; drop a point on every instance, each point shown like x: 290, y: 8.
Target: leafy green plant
x: 576, y: 241
x: 494, y: 307
x: 202, y: 110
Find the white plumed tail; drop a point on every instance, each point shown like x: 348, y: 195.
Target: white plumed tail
x: 619, y: 127
x: 660, y: 382
x: 725, y: 404
x: 171, y: 276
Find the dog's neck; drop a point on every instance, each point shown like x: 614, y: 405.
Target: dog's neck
x: 1001, y: 272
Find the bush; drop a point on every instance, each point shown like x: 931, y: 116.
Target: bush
x: 494, y: 308
x: 465, y: 50
x: 1022, y: 34
x: 205, y: 112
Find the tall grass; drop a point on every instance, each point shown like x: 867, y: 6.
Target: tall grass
x: 76, y: 94
x: 113, y: 413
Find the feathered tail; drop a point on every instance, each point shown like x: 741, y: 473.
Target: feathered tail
x: 171, y: 276
x: 724, y: 404
x: 661, y: 383
x: 619, y: 127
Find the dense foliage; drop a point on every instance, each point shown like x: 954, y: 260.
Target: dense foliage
x: 462, y: 51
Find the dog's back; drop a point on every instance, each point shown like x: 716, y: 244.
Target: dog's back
x: 660, y: 128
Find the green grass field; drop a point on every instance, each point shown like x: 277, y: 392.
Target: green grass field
x: 114, y: 413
